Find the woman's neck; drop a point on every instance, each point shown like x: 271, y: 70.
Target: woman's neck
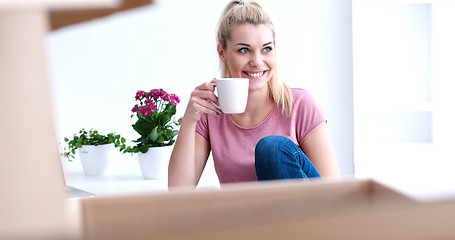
x: 260, y: 103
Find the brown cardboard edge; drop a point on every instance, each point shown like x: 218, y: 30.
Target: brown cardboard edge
x: 186, y: 212
x: 62, y: 18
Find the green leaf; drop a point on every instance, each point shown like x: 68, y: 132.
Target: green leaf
x: 94, y: 137
x: 154, y: 134
x: 173, y: 133
x: 142, y: 127
x: 143, y: 148
x: 160, y: 139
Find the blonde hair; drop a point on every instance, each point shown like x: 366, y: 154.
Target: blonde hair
x: 243, y: 12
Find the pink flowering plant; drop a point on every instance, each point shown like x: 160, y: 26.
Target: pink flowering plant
x: 155, y: 123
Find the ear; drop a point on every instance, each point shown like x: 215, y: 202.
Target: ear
x: 221, y: 53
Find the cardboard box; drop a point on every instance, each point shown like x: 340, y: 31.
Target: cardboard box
x: 346, y: 209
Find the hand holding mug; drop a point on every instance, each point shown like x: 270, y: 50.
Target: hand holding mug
x: 201, y: 101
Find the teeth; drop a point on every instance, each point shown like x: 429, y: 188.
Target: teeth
x: 256, y: 74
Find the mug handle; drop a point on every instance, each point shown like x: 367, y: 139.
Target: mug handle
x: 213, y: 103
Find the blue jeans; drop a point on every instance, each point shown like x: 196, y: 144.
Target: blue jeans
x: 277, y: 157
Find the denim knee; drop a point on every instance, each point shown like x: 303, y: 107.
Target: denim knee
x: 277, y: 157
x: 273, y: 156
x: 270, y: 144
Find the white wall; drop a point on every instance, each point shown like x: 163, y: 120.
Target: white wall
x: 97, y: 67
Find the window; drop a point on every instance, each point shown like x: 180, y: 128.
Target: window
x: 403, y: 57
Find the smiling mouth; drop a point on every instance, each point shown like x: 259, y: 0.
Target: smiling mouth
x: 255, y: 74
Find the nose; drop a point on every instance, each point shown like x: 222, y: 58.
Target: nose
x: 256, y: 60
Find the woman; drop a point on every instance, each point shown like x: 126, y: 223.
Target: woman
x: 281, y: 135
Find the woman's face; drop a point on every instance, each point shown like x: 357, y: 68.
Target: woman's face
x: 250, y: 53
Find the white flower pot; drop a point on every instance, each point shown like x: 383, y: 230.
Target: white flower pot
x: 95, y: 159
x: 155, y: 162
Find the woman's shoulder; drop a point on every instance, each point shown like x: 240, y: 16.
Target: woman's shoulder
x: 305, y: 101
x: 306, y: 105
x: 300, y: 94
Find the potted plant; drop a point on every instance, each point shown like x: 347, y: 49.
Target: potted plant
x: 155, y: 124
x: 94, y: 150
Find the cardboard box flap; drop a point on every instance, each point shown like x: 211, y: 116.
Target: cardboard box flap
x: 184, y: 213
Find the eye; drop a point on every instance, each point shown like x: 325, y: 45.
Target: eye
x: 267, y: 49
x: 243, y: 50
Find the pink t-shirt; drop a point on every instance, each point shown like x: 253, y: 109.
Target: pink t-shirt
x: 233, y: 146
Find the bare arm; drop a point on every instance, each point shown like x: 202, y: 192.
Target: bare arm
x: 191, y: 150
x: 318, y: 147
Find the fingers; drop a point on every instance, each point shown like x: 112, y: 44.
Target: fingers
x: 203, y: 106
x: 207, y: 86
x: 201, y: 101
x: 205, y: 99
x: 204, y: 95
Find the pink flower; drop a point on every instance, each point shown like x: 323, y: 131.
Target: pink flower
x: 139, y: 94
x: 142, y: 110
x: 155, y: 93
x: 134, y: 108
x: 147, y: 111
x: 174, y: 99
x: 153, y: 107
x: 149, y: 101
x: 165, y: 97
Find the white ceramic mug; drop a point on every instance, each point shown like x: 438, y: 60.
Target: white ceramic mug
x: 232, y: 94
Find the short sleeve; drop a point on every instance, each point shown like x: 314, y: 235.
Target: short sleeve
x: 307, y: 112
x: 202, y: 127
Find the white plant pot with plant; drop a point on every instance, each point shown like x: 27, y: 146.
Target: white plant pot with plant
x: 95, y: 150
x: 95, y: 159
x: 155, y: 124
x: 155, y: 162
